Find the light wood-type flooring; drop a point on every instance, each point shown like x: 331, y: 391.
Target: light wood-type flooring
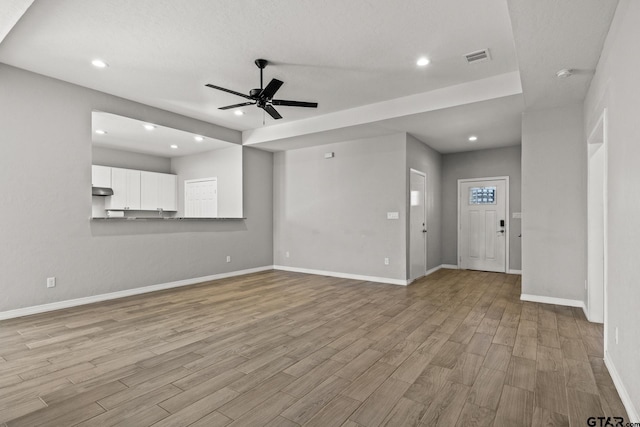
x: 287, y: 349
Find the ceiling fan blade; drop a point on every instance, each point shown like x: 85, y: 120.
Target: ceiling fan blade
x: 228, y: 107
x: 286, y: 103
x: 228, y: 91
x: 272, y: 112
x: 271, y: 89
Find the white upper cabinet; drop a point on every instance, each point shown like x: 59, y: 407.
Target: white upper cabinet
x: 168, y: 192
x: 100, y: 176
x: 149, y: 191
x: 126, y: 190
x: 158, y: 191
x: 137, y: 190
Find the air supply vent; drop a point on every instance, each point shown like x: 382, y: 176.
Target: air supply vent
x: 478, y: 56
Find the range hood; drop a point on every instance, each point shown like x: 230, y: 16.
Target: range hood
x: 101, y: 191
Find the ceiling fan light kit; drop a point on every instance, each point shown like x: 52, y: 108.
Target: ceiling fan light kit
x: 263, y: 97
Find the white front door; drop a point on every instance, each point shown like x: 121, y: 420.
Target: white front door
x: 418, y: 225
x: 482, y: 243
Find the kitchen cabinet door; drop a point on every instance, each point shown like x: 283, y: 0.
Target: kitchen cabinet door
x: 126, y: 190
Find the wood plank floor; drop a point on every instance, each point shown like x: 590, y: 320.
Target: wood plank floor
x: 288, y: 349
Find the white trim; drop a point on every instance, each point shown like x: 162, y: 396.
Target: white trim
x: 433, y: 270
x: 450, y: 266
x: 426, y: 239
x: 26, y: 311
x: 343, y: 275
x: 595, y: 138
x: 553, y: 300
x: 632, y: 411
x: 512, y: 271
x: 506, y: 220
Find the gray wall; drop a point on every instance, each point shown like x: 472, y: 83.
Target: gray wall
x: 480, y: 164
x: 615, y: 87
x: 226, y: 165
x: 45, y: 176
x: 130, y: 160
x: 330, y: 214
x: 425, y: 159
x: 554, y: 203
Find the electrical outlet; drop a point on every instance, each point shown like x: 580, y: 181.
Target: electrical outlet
x: 51, y: 282
x: 228, y: 258
x: 616, y: 335
x: 286, y: 254
x: 386, y: 261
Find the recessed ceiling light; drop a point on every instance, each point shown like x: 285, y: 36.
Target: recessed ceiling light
x: 473, y: 138
x: 423, y: 61
x: 149, y: 127
x: 198, y: 138
x: 101, y: 132
x: 99, y: 63
x: 175, y: 147
x: 239, y: 113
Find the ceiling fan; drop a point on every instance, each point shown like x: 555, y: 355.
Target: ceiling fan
x: 263, y: 98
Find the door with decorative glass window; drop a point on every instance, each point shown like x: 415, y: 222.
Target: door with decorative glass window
x: 483, y: 236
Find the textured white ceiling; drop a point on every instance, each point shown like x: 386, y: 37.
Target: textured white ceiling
x: 496, y: 123
x: 341, y: 54
x: 554, y: 34
x: 345, y: 55
x: 12, y: 11
x: 128, y: 134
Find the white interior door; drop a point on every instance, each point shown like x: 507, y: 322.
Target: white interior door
x: 201, y: 198
x: 482, y: 243
x: 418, y: 225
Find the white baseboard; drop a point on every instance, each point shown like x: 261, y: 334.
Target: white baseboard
x: 511, y: 271
x: 632, y: 411
x: 434, y: 269
x: 449, y: 266
x: 552, y: 300
x: 343, y: 275
x: 126, y: 293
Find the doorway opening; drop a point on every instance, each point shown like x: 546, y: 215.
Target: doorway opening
x: 417, y: 224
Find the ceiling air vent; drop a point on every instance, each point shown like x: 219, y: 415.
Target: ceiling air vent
x: 478, y: 56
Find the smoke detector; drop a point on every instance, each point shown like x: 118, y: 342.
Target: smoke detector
x: 478, y: 56
x: 564, y: 73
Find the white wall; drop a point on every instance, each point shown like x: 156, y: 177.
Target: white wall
x: 478, y: 164
x: 427, y: 160
x: 224, y: 164
x: 554, y: 203
x: 330, y: 214
x: 45, y: 180
x: 615, y: 86
x: 129, y: 160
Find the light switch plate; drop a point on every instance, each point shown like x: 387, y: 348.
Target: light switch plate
x: 393, y: 215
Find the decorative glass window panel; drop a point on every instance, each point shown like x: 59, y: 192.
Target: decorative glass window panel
x: 482, y: 196
x: 415, y: 198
